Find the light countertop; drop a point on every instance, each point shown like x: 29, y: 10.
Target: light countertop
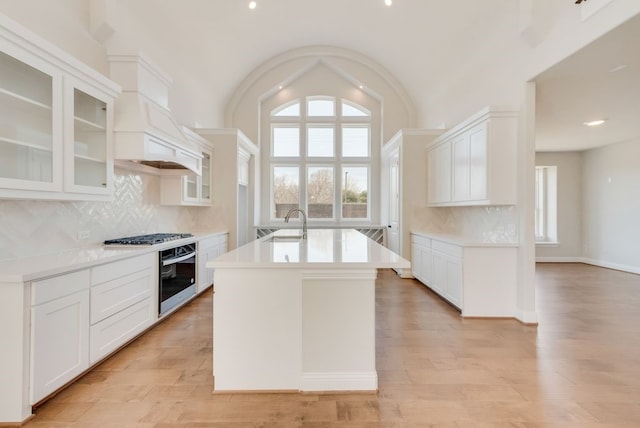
x: 323, y: 249
x: 30, y: 268
x: 463, y: 241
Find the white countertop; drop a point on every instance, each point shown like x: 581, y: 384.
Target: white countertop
x: 30, y: 268
x: 323, y: 249
x: 463, y: 241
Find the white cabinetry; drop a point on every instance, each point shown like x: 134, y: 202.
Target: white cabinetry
x: 446, y: 278
x: 475, y: 162
x: 59, y: 332
x: 477, y: 278
x: 123, y: 303
x: 189, y: 189
x: 208, y: 249
x: 56, y: 126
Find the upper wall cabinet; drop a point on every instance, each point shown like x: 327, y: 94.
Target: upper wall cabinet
x: 190, y: 189
x: 56, y: 122
x: 475, y: 162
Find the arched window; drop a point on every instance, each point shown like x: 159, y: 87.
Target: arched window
x: 321, y: 159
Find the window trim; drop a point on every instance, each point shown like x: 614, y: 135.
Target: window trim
x: 547, y: 214
x: 337, y: 162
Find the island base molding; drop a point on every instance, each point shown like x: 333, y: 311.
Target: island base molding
x: 330, y: 382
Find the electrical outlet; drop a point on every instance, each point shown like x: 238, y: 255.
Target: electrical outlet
x: 83, y: 234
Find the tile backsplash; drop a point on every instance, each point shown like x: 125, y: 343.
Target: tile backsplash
x: 483, y: 224
x: 29, y: 228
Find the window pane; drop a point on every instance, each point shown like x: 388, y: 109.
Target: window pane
x: 322, y: 107
x: 320, y: 192
x: 355, y: 142
x: 319, y: 142
x: 286, y: 142
x: 355, y: 192
x: 286, y: 193
x: 540, y: 208
x: 291, y: 110
x: 351, y: 110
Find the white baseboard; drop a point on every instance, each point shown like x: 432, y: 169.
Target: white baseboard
x: 610, y: 265
x: 585, y: 260
x: 526, y: 317
x: 355, y: 381
x: 559, y: 259
x: 404, y: 273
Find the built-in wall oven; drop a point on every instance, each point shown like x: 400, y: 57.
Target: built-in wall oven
x: 177, y: 272
x: 177, y: 276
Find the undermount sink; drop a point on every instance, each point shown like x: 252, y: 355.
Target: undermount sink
x: 285, y: 238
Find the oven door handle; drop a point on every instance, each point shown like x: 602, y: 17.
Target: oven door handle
x: 178, y: 259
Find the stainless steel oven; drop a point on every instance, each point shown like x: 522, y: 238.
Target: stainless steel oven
x: 177, y: 276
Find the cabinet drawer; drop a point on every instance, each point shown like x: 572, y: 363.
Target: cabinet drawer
x: 421, y: 240
x: 111, y: 271
x: 446, y: 248
x: 49, y: 289
x: 113, y: 296
x: 113, y: 332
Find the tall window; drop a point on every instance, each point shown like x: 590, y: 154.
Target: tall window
x: 546, y: 204
x: 321, y: 159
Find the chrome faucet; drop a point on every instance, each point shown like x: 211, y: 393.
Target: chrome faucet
x: 304, y: 220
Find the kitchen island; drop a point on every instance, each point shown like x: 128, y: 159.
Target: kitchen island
x: 293, y: 314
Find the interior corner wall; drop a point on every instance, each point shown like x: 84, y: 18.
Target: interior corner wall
x: 611, y: 206
x: 569, y: 206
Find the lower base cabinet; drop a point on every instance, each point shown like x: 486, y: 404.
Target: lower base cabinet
x: 479, y: 279
x: 59, y: 332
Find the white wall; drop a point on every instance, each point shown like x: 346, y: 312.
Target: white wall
x: 569, y: 206
x: 611, y: 206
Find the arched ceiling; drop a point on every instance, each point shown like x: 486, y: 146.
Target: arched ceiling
x: 222, y: 41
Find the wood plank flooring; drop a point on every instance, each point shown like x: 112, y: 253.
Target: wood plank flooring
x: 579, y: 368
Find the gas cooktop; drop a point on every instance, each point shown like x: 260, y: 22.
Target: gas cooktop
x: 150, y: 239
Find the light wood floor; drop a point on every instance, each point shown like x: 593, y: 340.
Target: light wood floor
x: 579, y: 368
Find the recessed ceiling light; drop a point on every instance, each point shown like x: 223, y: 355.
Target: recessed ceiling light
x: 388, y: 2
x: 361, y: 86
x: 252, y: 5
x: 595, y: 122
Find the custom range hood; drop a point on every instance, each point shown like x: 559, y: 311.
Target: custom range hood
x: 145, y: 130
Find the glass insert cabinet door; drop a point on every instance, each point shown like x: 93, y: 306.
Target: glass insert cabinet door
x: 90, y: 145
x: 30, y: 127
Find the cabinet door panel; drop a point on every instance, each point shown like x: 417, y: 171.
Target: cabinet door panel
x: 453, y: 290
x: 59, y: 343
x: 439, y: 174
x: 439, y: 279
x: 478, y: 163
x: 88, y: 156
x: 460, y: 153
x: 426, y: 263
x: 30, y: 131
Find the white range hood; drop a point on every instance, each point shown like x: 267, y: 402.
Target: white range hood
x: 145, y: 130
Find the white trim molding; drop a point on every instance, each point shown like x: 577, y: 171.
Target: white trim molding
x: 340, y: 381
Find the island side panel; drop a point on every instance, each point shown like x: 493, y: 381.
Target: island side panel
x: 338, y: 330
x: 256, y: 329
